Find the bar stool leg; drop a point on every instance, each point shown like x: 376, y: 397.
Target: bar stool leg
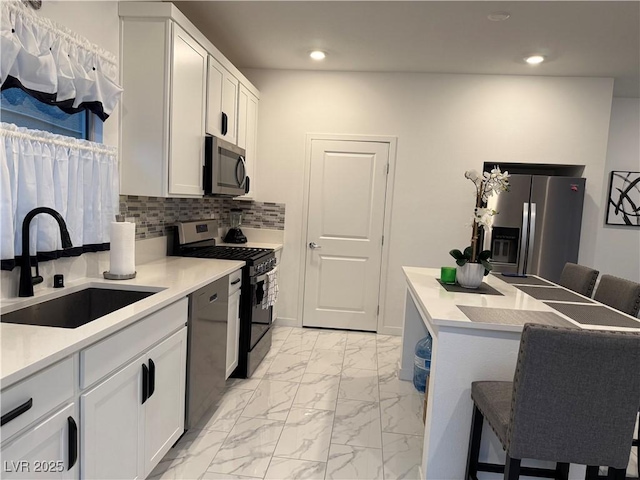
x: 511, y: 468
x: 616, y: 473
x: 474, y: 444
x: 562, y: 471
x: 592, y: 473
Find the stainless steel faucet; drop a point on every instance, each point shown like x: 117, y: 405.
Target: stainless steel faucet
x: 27, y: 281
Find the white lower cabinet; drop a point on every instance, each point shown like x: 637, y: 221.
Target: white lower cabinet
x: 233, y: 321
x: 111, y: 425
x: 233, y: 332
x: 275, y: 305
x: 164, y: 409
x: 131, y: 419
x: 111, y: 411
x: 48, y: 451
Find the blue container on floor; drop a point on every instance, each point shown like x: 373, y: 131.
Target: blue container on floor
x: 422, y: 363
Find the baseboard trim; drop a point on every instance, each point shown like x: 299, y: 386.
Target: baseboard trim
x: 286, y: 322
x: 405, y: 373
x: 396, y: 331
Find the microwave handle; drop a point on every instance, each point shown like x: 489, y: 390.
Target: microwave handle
x: 246, y: 185
x: 225, y: 122
x: 241, y: 178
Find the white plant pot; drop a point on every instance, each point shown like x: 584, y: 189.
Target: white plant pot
x: 470, y: 275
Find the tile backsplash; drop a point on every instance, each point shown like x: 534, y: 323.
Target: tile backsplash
x: 152, y: 214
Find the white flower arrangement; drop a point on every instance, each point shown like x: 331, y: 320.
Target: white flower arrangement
x: 488, y: 184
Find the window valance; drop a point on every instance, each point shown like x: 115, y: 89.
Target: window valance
x: 76, y: 177
x: 54, y: 64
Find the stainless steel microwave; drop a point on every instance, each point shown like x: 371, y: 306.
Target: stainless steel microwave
x: 225, y: 168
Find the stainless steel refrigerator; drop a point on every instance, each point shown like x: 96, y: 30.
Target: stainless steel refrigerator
x: 537, y: 229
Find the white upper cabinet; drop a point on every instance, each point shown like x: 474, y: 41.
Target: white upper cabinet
x: 178, y: 88
x: 222, y: 102
x: 248, y: 134
x: 188, y: 93
x: 164, y: 75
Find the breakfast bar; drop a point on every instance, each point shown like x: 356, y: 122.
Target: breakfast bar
x: 476, y: 336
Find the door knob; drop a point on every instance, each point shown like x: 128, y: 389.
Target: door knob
x: 314, y: 245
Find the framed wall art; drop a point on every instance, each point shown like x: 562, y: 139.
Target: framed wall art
x: 623, y: 206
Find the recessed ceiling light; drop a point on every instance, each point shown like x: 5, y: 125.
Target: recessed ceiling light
x: 498, y: 16
x: 317, y: 55
x: 534, y: 59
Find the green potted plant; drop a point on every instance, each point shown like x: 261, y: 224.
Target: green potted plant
x: 474, y: 264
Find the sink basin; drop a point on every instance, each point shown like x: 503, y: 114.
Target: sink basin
x: 75, y: 309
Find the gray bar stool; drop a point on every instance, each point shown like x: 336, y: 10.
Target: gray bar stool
x: 578, y: 278
x: 574, y: 399
x: 621, y: 294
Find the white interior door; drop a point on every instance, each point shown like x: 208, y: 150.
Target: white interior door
x: 344, y: 233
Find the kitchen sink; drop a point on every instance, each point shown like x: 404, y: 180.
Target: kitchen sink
x: 75, y: 309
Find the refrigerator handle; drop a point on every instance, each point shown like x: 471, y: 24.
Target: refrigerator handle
x: 524, y: 234
x: 532, y: 236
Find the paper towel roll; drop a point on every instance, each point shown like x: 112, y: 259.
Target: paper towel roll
x: 122, y: 259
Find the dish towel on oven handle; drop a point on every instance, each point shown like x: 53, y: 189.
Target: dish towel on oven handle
x: 271, y: 297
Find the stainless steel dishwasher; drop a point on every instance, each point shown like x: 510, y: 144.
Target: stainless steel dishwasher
x: 206, y: 349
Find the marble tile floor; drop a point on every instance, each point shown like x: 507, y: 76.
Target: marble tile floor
x: 324, y: 404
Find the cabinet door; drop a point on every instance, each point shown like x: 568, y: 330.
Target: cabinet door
x: 164, y: 409
x: 248, y: 134
x: 222, y: 101
x: 230, y: 106
x: 233, y: 332
x: 188, y: 95
x: 112, y: 423
x: 215, y: 80
x: 274, y: 311
x: 48, y: 450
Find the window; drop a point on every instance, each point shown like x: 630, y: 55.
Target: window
x: 22, y: 109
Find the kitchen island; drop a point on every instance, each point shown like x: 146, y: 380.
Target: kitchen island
x: 465, y: 351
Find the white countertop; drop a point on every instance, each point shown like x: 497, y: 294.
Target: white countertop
x: 28, y: 348
x: 440, y: 307
x: 273, y: 246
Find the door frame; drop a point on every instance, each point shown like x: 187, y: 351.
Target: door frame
x: 392, y: 141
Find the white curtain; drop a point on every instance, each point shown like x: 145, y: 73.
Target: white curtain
x: 77, y: 178
x: 54, y: 64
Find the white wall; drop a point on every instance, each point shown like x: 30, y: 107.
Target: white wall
x: 445, y: 124
x: 618, y: 248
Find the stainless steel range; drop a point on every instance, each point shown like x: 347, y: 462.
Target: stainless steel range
x: 197, y: 239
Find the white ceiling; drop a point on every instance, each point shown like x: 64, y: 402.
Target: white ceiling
x: 579, y: 38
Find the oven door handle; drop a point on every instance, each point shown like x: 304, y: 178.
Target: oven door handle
x: 260, y: 278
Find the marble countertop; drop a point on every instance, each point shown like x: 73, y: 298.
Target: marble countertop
x: 439, y: 305
x: 25, y: 349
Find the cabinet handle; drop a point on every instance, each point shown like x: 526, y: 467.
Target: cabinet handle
x: 225, y: 122
x: 73, y: 442
x: 236, y: 281
x: 145, y: 383
x: 16, y: 412
x: 152, y: 377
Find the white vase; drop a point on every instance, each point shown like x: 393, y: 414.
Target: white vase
x: 470, y: 275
